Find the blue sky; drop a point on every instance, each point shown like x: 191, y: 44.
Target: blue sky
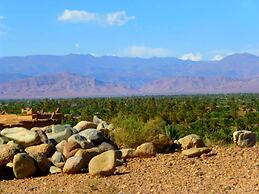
x: 188, y: 29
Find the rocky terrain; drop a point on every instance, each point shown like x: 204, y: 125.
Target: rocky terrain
x: 224, y: 170
x: 79, y: 159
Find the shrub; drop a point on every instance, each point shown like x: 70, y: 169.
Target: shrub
x: 130, y: 131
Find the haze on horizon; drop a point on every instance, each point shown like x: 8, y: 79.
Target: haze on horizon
x: 193, y: 30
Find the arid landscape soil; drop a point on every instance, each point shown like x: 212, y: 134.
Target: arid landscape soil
x: 224, y: 170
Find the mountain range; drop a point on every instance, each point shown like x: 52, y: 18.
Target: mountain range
x: 73, y: 75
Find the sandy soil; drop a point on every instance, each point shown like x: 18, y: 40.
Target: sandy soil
x: 226, y: 170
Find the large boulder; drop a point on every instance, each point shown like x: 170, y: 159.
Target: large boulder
x: 21, y: 136
x: 103, y: 164
x: 94, y: 135
x: 45, y: 149
x: 82, y: 141
x: 244, y: 138
x: 23, y: 166
x: 82, y: 125
x: 74, y: 165
x: 146, y: 150
x: 196, y: 152
x: 42, y: 134
x: 88, y: 154
x: 70, y: 148
x: 59, y: 136
x: 191, y: 141
x: 7, y: 152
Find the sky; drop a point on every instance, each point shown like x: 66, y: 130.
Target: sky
x: 187, y: 29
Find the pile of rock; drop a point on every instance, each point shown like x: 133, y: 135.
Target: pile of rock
x: 62, y: 148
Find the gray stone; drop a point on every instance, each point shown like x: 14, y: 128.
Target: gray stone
x: 58, y: 159
x: 103, y: 164
x: 74, y: 165
x: 105, y: 147
x: 196, y: 152
x: 88, y: 154
x: 23, y: 166
x: 146, y: 150
x: 55, y: 170
x: 21, y: 136
x: 191, y: 141
x: 94, y: 135
x: 60, y: 136
x: 244, y: 138
x: 43, y: 163
x: 82, y: 141
x: 82, y: 125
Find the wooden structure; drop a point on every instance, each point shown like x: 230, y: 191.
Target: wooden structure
x: 29, y: 119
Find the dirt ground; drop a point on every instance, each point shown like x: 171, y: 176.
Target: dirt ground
x: 225, y: 170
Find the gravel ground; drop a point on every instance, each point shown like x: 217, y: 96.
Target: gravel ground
x: 225, y: 170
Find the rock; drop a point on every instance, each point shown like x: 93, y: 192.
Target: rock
x: 82, y: 141
x: 60, y: 146
x: 60, y: 136
x: 145, y: 150
x: 58, y: 159
x: 42, y: 135
x: 54, y: 170
x: 103, y: 164
x: 74, y: 165
x: 70, y: 148
x: 105, y: 147
x: 94, y: 135
x: 59, y: 128
x: 21, y: 136
x: 96, y: 120
x: 125, y: 153
x: 191, y: 141
x: 3, y: 140
x: 196, y: 152
x: 244, y: 138
x: 88, y: 154
x: 110, y: 127
x: 82, y: 125
x: 45, y: 149
x: 7, y: 152
x: 23, y: 166
x: 43, y: 163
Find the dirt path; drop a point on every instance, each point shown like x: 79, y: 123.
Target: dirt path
x: 231, y: 170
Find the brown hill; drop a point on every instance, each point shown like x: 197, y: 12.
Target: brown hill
x: 60, y: 85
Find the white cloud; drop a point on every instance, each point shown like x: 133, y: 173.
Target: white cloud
x: 117, y: 18
x: 218, y: 57
x: 143, y: 51
x: 192, y: 57
x: 77, y: 16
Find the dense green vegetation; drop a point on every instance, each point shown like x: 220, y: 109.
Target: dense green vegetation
x: 137, y: 119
